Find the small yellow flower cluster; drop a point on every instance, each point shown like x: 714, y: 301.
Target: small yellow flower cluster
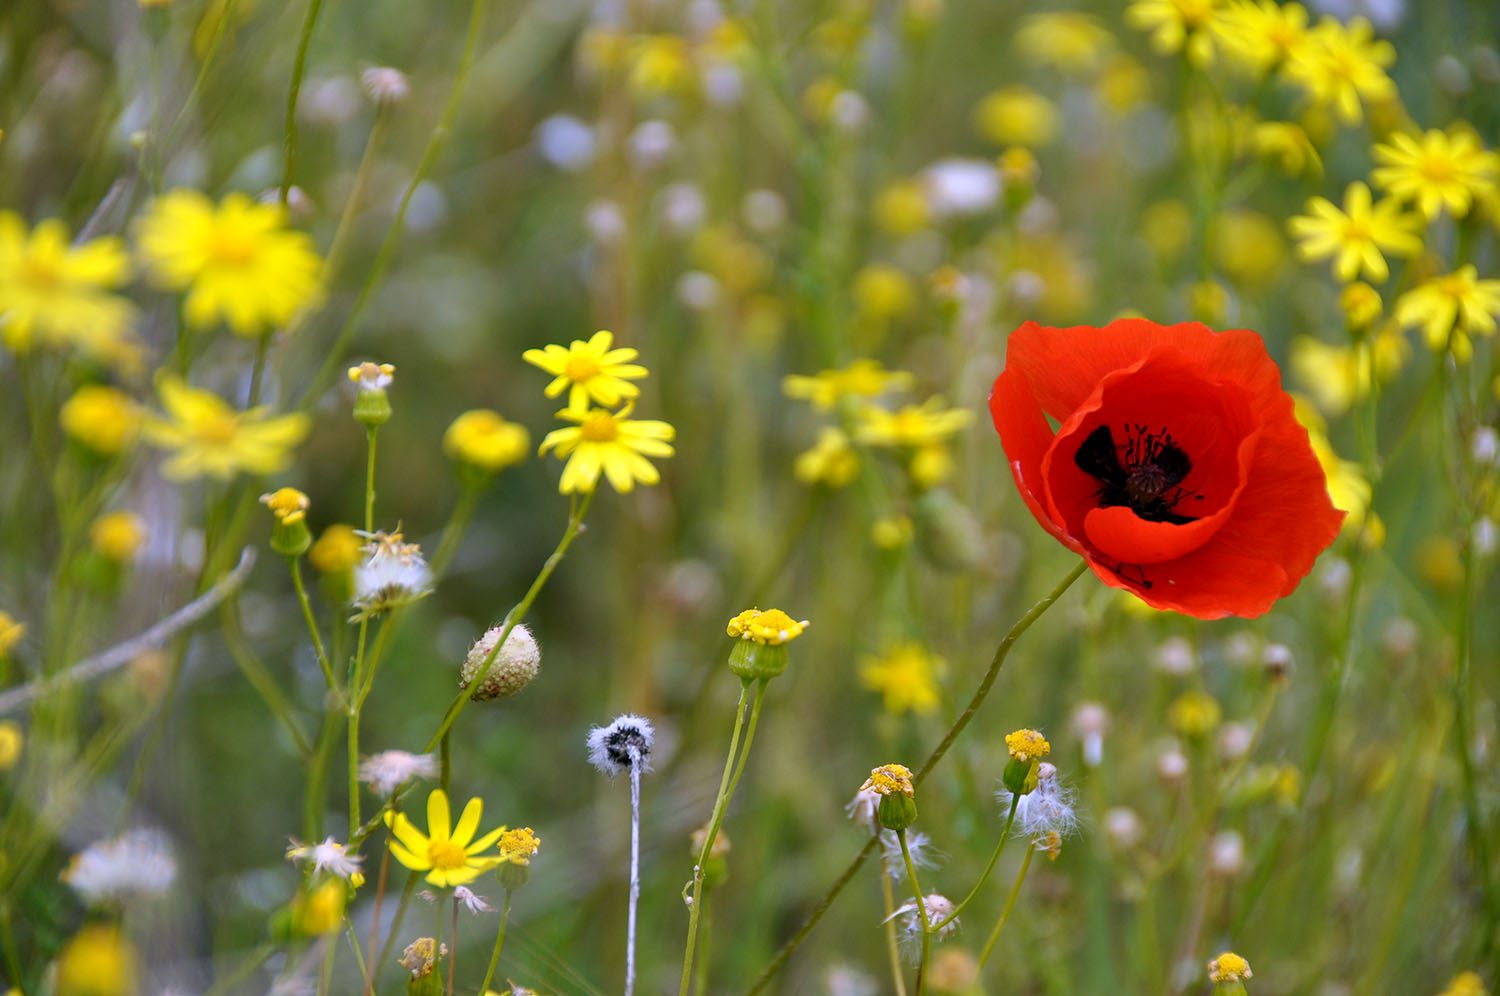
x: 1228, y: 967
x: 1194, y: 714
x: 890, y: 779
x: 11, y: 632
x: 288, y: 505
x: 517, y: 846
x: 907, y: 676
x: 117, y: 536
x: 770, y: 626
x: 1027, y: 745
x: 600, y: 441
x: 101, y: 418
x: 1466, y: 984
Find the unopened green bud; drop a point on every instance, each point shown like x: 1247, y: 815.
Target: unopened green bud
x: 372, y: 407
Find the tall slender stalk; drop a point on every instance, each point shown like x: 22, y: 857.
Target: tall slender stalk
x: 927, y: 928
x: 289, y: 139
x: 499, y: 943
x: 1010, y: 903
x: 635, y: 868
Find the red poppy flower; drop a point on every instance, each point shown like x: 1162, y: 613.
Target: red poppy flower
x: 1176, y: 469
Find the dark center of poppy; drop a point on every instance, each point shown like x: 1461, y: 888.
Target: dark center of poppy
x: 1146, y: 480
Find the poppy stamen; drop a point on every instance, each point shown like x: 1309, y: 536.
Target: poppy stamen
x: 1148, y: 479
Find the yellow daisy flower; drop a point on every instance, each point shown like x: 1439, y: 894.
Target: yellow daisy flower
x: 1340, y: 64
x: 1437, y: 170
x: 1357, y: 234
x: 1457, y: 303
x: 830, y: 462
x: 860, y: 379
x: 1066, y: 40
x: 1261, y: 34
x: 211, y: 438
x: 907, y: 676
x: 54, y: 293
x: 236, y: 261
x: 912, y: 425
x: 483, y: 439
x: 591, y: 372
x: 611, y: 443
x: 447, y: 853
x: 1178, y: 25
x: 101, y: 417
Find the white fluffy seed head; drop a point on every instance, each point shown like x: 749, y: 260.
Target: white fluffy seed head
x: 514, y: 666
x: 623, y: 744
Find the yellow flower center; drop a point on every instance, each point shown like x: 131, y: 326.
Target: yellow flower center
x: 581, y: 368
x: 1454, y: 286
x: 1195, y: 13
x: 446, y: 855
x: 217, y: 429
x: 41, y: 273
x: 599, y: 427
x: 231, y: 246
x: 1356, y: 230
x: 1436, y: 169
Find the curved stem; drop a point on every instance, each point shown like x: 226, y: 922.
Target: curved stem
x: 289, y: 142
x: 984, y: 877
x: 916, y: 888
x: 996, y: 662
x: 1010, y: 902
x: 499, y: 943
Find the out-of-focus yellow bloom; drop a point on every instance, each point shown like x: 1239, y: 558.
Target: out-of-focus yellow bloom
x: 1178, y: 25
x: 1339, y: 64
x: 1465, y: 984
x: 883, y: 292
x: 1194, y: 714
x: 1338, y: 376
x: 1440, y: 562
x: 1361, y: 304
x: 738, y: 264
x: 1356, y: 235
x: 831, y: 462
x: 931, y: 466
x: 1437, y: 170
x: 860, y: 379
x: 320, y: 909
x: 98, y: 961
x: 53, y: 293
x: 237, y: 262
x: 211, y: 438
x: 11, y: 631
x: 12, y: 741
x: 485, y: 440
x: 840, y: 37
x: 338, y: 549
x: 892, y: 532
x: 1208, y: 302
x: 1064, y: 40
x: 1261, y: 34
x: 603, y: 50
x: 1288, y: 146
x: 1449, y: 307
x: 906, y: 675
x: 1167, y: 227
x: 661, y: 64
x: 1016, y: 115
x: 901, y: 208
x: 911, y: 425
x: 1067, y: 282
x: 608, y: 443
x: 102, y: 418
x: 449, y: 854
x: 592, y: 372
x: 118, y: 535
x: 1248, y: 248
x: 818, y: 98
x: 1348, y: 489
x: 1124, y: 84
x: 727, y: 41
x: 288, y: 505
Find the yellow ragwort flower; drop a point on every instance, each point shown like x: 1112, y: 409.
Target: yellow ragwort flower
x: 1261, y: 34
x: 288, y: 505
x: 211, y: 438
x: 860, y: 379
x: 1288, y: 146
x: 1228, y: 967
x: 98, y: 961
x: 911, y: 425
x: 902, y: 208
x: 882, y: 292
x: 117, y: 536
x: 11, y: 631
x: 661, y: 64
x: 53, y: 293
x: 236, y: 261
x: 517, y: 846
x: 1348, y: 489
x: 1437, y: 170
x: 319, y: 910
x: 1466, y: 984
x: 102, y: 418
x: 1016, y: 115
x: 483, y: 439
x: 448, y: 854
x: 1065, y: 40
x: 769, y: 626
x: 1178, y: 25
x: 907, y: 676
x: 1027, y: 745
x: 610, y: 443
x: 1450, y: 307
x: 12, y: 742
x: 1339, y: 64
x: 592, y: 372
x: 1356, y: 235
x: 338, y: 549
x: 1337, y: 376
x: 890, y: 779
x: 830, y: 462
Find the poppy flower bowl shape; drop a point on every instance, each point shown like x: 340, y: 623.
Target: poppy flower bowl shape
x: 1176, y: 468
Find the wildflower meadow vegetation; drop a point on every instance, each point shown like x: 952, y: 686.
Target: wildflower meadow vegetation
x: 741, y: 497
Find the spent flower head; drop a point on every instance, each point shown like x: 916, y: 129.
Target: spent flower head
x: 623, y: 744
x: 392, y: 574
x: 135, y: 864
x: 329, y: 857
x: 390, y: 769
x: 421, y: 956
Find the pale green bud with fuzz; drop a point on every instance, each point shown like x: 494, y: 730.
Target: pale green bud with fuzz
x: 514, y: 665
x: 289, y: 537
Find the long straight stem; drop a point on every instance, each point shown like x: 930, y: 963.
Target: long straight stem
x: 996, y: 663
x: 1010, y: 902
x: 984, y: 876
x: 499, y: 943
x: 887, y: 898
x: 721, y: 801
x: 289, y: 140
x: 916, y: 888
x: 453, y: 951
x: 635, y: 868
x: 385, y: 868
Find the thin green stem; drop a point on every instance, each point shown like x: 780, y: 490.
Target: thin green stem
x: 489, y: 974
x: 453, y: 532
x: 312, y: 623
x: 916, y: 888
x: 230, y: 981
x: 453, y: 949
x: 739, y: 767
x: 888, y: 901
x: 370, y: 434
x: 385, y: 949
x: 1010, y: 904
x: 289, y: 142
x: 984, y: 877
x: 258, y: 370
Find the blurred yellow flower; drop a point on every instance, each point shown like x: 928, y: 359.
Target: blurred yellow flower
x: 209, y: 437
x: 911, y: 425
x: 448, y: 854
x: 53, y: 293
x: 931, y: 465
x: 1068, y: 41
x: 11, y: 631
x: 1348, y: 489
x: 1248, y: 247
x: 338, y: 549
x: 661, y: 64
x: 1167, y: 227
x: 1261, y: 34
x: 1194, y: 714
x: 98, y: 961
x: 860, y: 379
x: 1015, y: 115
x: 1178, y: 25
x: 1466, y: 984
x: 12, y: 742
x: 1361, y: 304
x: 1339, y: 64
x: 117, y: 535
x: 1124, y: 84
x: 1288, y: 146
x: 236, y: 261
x: 102, y: 418
x: 288, y: 505
x: 610, y: 443
x: 319, y: 910
x: 483, y: 439
x: 906, y: 675
x: 1437, y: 170
x: 1449, y: 307
x: 883, y: 292
x: 891, y: 532
x: 1440, y: 562
x: 901, y: 208
x: 831, y: 462
x: 1356, y: 235
x: 591, y: 372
